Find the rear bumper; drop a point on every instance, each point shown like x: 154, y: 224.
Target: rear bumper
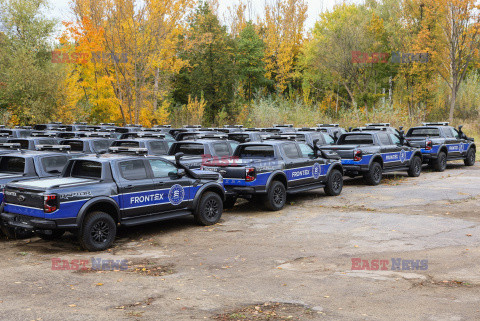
x: 244, y: 191
x: 35, y: 223
x: 348, y: 169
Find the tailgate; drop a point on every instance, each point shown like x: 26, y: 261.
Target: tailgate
x: 343, y: 151
x: 24, y: 201
x: 417, y: 142
x: 237, y: 172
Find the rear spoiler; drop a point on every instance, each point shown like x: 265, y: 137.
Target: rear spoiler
x: 60, y: 148
x: 128, y: 150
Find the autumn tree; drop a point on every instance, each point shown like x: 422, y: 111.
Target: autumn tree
x: 249, y: 60
x: 283, y: 33
x: 28, y: 81
x: 210, y: 71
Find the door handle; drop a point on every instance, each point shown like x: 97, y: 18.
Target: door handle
x: 160, y: 183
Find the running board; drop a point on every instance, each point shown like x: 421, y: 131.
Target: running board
x: 304, y: 188
x: 155, y: 218
x: 396, y: 169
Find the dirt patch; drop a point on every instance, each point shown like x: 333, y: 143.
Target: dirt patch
x: 272, y: 311
x: 150, y: 268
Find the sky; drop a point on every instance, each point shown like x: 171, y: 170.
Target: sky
x: 60, y: 8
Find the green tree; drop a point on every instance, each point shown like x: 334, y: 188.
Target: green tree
x: 209, y: 51
x: 249, y: 60
x: 29, y: 80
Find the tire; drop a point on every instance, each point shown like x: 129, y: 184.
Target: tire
x: 374, y: 175
x: 334, y: 183
x: 415, y: 168
x: 440, y: 164
x: 97, y: 232
x: 209, y: 210
x: 276, y: 197
x: 229, y: 202
x: 470, y: 159
x: 56, y: 234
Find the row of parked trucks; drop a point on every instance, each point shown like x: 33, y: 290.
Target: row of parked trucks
x: 91, y: 179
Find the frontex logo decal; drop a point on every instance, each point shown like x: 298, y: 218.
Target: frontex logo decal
x: 176, y: 194
x: 403, y: 156
x: 317, y: 170
x: 460, y: 148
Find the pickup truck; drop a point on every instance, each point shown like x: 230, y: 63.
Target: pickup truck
x: 270, y: 170
x: 95, y: 194
x: 440, y: 143
x: 197, y: 152
x: 28, y: 165
x: 372, y: 153
x: 153, y: 146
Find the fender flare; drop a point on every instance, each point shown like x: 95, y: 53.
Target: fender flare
x: 94, y: 201
x: 334, y: 165
x: 218, y: 188
x: 374, y: 158
x: 472, y: 145
x: 273, y: 175
x: 443, y: 148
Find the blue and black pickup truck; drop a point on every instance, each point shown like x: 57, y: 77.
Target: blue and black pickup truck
x: 440, y: 143
x: 272, y: 169
x: 22, y: 165
x: 372, y: 153
x: 95, y: 194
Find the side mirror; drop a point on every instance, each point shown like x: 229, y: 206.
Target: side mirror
x: 461, y: 133
x: 181, y: 173
x: 402, y: 137
x: 400, y: 128
x: 177, y: 157
x: 350, y: 129
x: 315, y: 148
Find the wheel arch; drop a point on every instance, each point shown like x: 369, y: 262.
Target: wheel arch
x: 103, y: 204
x: 277, y: 176
x: 209, y: 187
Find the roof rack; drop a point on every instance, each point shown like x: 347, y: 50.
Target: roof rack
x: 53, y: 147
x: 10, y: 145
x: 309, y: 129
x: 445, y: 123
x: 129, y: 150
x: 211, y: 136
x: 233, y: 126
x: 96, y: 134
x: 4, y: 134
x: 80, y: 123
x: 378, y: 125
x: 107, y: 124
x: 150, y: 135
x: 192, y: 126
x: 3, y: 126
x: 281, y: 137
x: 43, y: 134
x: 56, y: 123
x: 18, y: 127
x: 162, y: 126
x: 328, y: 125
x: 283, y: 125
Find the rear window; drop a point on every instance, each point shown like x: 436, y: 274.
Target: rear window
x: 101, y: 146
x: 256, y: 151
x: 221, y: 149
x: 10, y: 164
x: 423, y: 132
x: 133, y: 170
x: 47, y: 142
x: 8, y: 132
x: 23, y: 142
x: 86, y: 169
x: 191, y: 149
x: 126, y: 144
x: 357, y: 139
x: 75, y: 145
x: 54, y: 164
x: 241, y: 138
x: 40, y: 127
x: 158, y: 148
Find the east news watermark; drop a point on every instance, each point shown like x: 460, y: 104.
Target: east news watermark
x: 393, y: 264
x: 93, y: 264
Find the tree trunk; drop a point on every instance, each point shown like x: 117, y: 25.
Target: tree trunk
x: 452, y: 104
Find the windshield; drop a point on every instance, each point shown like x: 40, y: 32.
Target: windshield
x: 10, y: 164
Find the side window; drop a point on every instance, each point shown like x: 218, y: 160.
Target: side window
x: 54, y: 164
x: 233, y: 145
x: 384, y: 140
x: 307, y: 151
x: 328, y: 139
x: 455, y: 133
x: 395, y: 139
x: 133, y: 170
x: 221, y: 149
x: 448, y: 132
x: 291, y: 151
x: 161, y: 168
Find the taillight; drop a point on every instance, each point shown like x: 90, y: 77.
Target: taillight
x: 428, y: 145
x: 357, y: 155
x: 50, y: 203
x: 250, y: 174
